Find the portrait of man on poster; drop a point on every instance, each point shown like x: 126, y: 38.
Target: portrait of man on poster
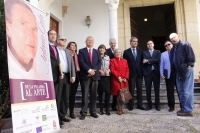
x: 22, y: 41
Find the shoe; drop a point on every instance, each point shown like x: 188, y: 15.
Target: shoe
x: 65, y: 120
x: 120, y: 112
x: 148, y: 108
x: 101, y: 113
x: 178, y: 111
x: 171, y: 109
x: 114, y: 109
x: 130, y: 108
x: 82, y: 117
x: 183, y: 113
x: 94, y: 115
x: 123, y: 112
x: 61, y: 123
x: 72, y: 116
x: 107, y: 113
x: 158, y: 108
x: 141, y: 108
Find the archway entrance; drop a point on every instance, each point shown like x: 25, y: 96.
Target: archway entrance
x: 153, y: 23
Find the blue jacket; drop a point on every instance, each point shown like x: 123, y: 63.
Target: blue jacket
x: 184, y: 57
x: 165, y: 65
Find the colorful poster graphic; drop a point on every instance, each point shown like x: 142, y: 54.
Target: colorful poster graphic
x: 31, y: 83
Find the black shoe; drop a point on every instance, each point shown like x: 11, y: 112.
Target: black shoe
x: 158, y: 108
x: 141, y: 108
x: 61, y: 123
x: 101, y: 113
x: 107, y: 113
x: 82, y: 117
x: 114, y: 109
x: 171, y: 109
x: 72, y: 116
x: 94, y: 115
x: 65, y: 120
x: 148, y: 108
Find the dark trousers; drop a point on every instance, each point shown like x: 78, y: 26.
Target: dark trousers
x: 63, y: 96
x: 89, y: 86
x: 72, y: 96
x: 153, y: 77
x: 107, y: 100
x: 114, y: 102
x: 170, y: 83
x: 136, y: 81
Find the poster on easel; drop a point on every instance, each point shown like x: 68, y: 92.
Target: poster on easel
x: 32, y: 92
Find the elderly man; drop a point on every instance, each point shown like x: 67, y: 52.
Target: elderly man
x: 110, y: 52
x: 67, y: 75
x: 167, y: 73
x: 151, y: 60
x: 22, y: 35
x: 90, y: 64
x: 183, y: 59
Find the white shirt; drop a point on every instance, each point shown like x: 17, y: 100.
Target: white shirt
x: 63, y: 59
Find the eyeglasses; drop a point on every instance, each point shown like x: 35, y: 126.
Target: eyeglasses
x: 63, y: 40
x: 167, y: 44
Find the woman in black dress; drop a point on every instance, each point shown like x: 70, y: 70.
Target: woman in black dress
x: 72, y: 46
x: 104, y: 83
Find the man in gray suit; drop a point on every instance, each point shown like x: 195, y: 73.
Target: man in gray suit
x: 67, y: 75
x: 167, y: 74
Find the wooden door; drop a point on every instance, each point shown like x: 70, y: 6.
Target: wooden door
x: 134, y: 24
x: 54, y: 25
x: 170, y: 21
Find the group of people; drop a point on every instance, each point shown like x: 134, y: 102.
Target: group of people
x: 106, y: 71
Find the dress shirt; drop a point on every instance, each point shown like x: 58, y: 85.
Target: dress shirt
x: 63, y: 59
x: 151, y: 53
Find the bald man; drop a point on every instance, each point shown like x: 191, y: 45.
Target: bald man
x: 183, y: 59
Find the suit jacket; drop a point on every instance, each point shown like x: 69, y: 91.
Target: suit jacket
x: 109, y: 53
x: 71, y: 66
x: 85, y: 65
x: 54, y: 64
x: 165, y: 65
x: 134, y: 65
x: 154, y: 60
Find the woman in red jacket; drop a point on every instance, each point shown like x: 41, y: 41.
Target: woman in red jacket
x: 120, y: 75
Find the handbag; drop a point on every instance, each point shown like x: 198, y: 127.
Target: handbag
x: 124, y: 94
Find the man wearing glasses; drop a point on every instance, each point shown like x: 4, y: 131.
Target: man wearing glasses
x: 67, y: 75
x: 167, y: 74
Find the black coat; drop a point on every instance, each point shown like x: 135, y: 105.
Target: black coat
x: 154, y: 60
x: 109, y: 53
x: 134, y: 65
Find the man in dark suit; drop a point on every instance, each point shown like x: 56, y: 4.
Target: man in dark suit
x: 134, y: 57
x: 90, y: 64
x: 54, y: 57
x: 67, y: 75
x: 110, y: 52
x: 151, y: 60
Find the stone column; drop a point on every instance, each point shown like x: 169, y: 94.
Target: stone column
x: 113, y: 23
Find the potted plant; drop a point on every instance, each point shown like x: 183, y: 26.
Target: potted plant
x: 197, y: 80
x: 4, y: 104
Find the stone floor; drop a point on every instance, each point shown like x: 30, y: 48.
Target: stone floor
x: 136, y: 121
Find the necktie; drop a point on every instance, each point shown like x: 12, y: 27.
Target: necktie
x: 174, y: 55
x: 151, y: 52
x: 134, y: 53
x: 54, y: 49
x: 90, y: 54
